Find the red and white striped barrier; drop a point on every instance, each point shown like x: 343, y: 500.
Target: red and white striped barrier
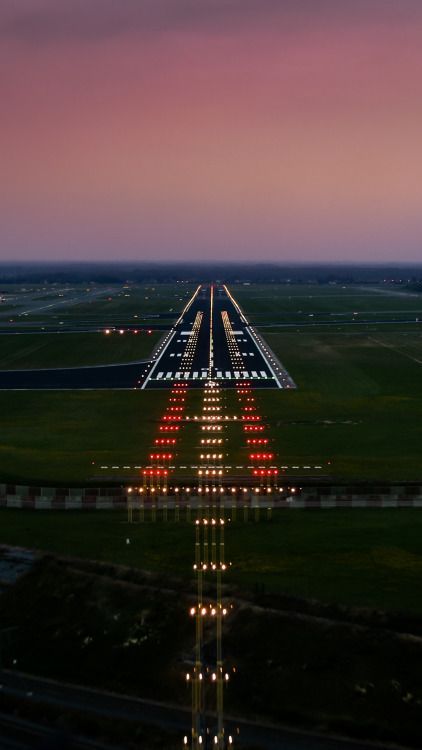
x: 110, y: 498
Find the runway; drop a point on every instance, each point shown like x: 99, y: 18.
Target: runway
x: 213, y: 339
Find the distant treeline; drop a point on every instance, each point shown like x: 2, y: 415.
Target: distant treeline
x: 38, y: 273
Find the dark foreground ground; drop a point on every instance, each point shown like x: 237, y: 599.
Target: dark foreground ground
x: 293, y: 661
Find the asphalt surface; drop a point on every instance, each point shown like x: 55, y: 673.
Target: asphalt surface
x: 213, y: 340
x: 95, y: 377
x: 167, y: 716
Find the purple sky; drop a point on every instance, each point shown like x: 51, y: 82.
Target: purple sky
x: 216, y: 130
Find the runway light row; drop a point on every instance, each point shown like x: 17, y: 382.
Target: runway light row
x: 261, y: 456
x: 189, y: 353
x: 121, y: 331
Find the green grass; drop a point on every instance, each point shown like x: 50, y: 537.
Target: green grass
x: 133, y: 303
x: 355, y: 557
x: 74, y: 349
x: 358, y: 403
x: 50, y: 437
x: 311, y: 303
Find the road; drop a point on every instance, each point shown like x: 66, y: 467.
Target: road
x: 91, y: 377
x: 167, y: 716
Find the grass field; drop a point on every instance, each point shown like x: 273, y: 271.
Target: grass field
x: 356, y: 557
x: 49, y: 437
x: 358, y: 403
x: 74, y: 349
x: 105, y: 302
x: 356, y: 412
x: 278, y: 301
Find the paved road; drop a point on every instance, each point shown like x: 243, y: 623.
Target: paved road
x: 167, y: 716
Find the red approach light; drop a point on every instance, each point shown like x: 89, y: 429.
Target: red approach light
x: 169, y: 427
x: 165, y: 441
x: 172, y: 417
x: 160, y: 456
x: 251, y: 417
x: 257, y: 441
x: 261, y: 456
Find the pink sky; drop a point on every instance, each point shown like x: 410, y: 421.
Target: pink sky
x: 221, y: 129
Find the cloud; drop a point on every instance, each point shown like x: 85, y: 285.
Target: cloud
x: 56, y: 21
